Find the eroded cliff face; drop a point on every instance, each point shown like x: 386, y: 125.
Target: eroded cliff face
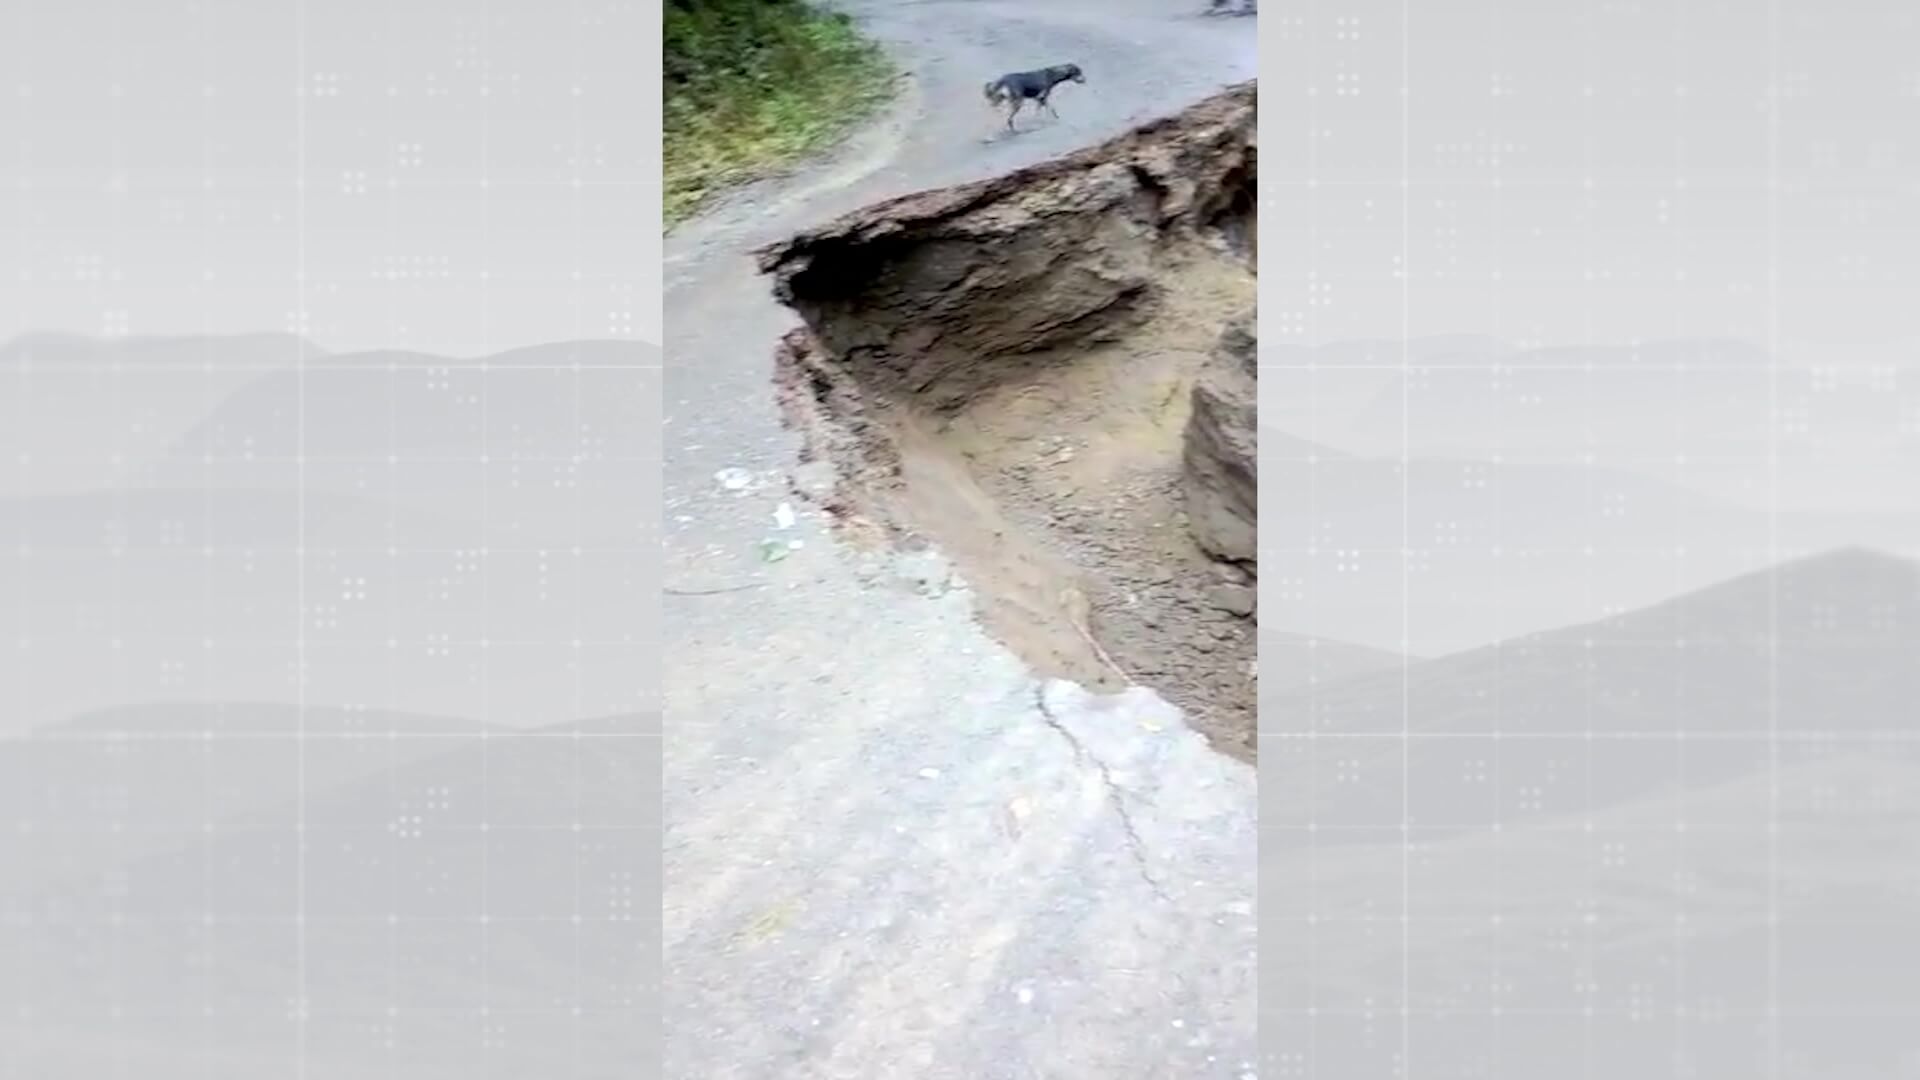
x: 1221, y: 453
x: 934, y: 292
x: 1028, y: 376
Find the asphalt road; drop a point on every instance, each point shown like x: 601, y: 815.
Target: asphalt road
x: 890, y: 851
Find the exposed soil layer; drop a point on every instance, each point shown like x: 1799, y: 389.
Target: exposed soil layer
x: 1006, y: 371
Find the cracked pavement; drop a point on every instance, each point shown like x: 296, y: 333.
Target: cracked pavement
x: 1116, y: 795
x: 890, y: 849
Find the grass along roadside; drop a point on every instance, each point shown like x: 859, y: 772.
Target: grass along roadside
x: 752, y: 86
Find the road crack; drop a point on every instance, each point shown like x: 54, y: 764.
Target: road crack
x: 1115, y: 796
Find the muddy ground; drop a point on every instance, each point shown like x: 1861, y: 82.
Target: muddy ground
x: 1003, y: 374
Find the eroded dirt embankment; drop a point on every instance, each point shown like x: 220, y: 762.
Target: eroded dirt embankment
x: 1048, y: 376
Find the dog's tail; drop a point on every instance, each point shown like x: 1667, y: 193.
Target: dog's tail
x: 996, y: 91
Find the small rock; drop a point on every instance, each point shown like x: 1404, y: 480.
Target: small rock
x: 1233, y: 599
x: 927, y: 571
x: 929, y: 774
x: 783, y: 516
x: 1232, y: 573
x: 813, y: 479
x: 733, y: 478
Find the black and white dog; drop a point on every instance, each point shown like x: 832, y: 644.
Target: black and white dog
x: 1016, y: 89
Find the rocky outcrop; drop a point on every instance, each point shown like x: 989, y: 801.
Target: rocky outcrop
x: 1220, y: 456
x: 930, y: 289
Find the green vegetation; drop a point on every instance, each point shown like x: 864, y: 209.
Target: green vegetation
x: 753, y: 85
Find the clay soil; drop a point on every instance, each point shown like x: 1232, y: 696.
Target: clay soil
x: 1002, y: 374
x: 1058, y: 494
x: 1055, y: 490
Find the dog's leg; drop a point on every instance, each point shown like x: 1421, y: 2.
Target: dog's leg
x: 1049, y: 106
x: 1012, y: 109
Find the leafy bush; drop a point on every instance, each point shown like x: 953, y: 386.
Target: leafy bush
x: 752, y: 85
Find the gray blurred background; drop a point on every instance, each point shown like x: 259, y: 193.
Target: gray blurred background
x: 328, y: 486
x: 1590, y: 410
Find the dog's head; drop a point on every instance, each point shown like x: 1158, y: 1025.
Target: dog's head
x: 1074, y: 73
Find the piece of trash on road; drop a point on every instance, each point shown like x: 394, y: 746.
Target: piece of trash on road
x: 1018, y: 810
x: 774, y: 550
x: 783, y: 516
x: 929, y: 774
x: 733, y: 478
